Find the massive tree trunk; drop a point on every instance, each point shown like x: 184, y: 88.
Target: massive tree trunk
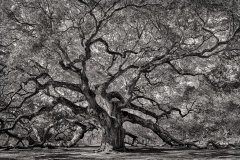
x: 113, y: 133
x: 112, y: 136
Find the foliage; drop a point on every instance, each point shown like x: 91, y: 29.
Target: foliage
x: 73, y: 66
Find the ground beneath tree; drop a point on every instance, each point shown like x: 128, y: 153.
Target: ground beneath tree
x: 136, y: 153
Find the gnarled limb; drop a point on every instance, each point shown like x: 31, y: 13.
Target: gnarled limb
x: 29, y: 117
x: 166, y: 136
x: 163, y: 134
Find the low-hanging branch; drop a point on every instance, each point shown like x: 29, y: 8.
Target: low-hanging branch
x: 164, y: 135
x: 28, y: 116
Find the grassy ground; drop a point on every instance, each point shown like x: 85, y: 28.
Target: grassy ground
x: 136, y: 153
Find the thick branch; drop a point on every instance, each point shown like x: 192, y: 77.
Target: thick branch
x: 107, y: 46
x: 75, y: 108
x: 115, y: 76
x: 29, y: 117
x: 163, y: 134
x: 143, y: 110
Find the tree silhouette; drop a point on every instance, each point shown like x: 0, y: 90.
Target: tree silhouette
x: 109, y: 62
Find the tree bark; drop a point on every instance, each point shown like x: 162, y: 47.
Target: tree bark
x: 112, y: 137
x: 113, y: 133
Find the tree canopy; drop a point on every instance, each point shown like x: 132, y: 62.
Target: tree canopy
x: 78, y: 65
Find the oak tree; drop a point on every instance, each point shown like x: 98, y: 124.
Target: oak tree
x: 116, y: 61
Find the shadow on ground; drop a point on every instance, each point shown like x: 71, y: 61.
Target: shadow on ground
x: 189, y: 153
x: 136, y: 153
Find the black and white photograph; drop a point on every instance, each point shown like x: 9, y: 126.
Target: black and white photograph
x: 119, y: 79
